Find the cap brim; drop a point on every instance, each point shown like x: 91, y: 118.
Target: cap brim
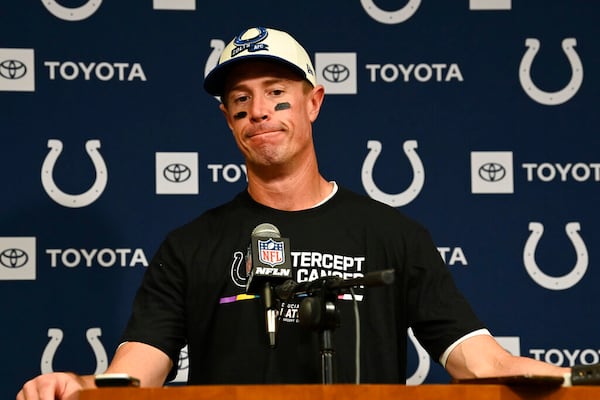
x: 214, y: 82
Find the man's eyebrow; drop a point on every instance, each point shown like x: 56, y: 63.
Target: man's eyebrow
x: 242, y: 87
x: 270, y: 81
x: 277, y: 80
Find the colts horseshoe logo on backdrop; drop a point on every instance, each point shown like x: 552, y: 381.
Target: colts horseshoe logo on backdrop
x: 390, y: 17
x: 424, y: 362
x: 72, y: 13
x: 551, y: 282
x: 551, y: 98
x: 213, y: 59
x: 399, y: 199
x: 70, y: 200
x: 56, y: 337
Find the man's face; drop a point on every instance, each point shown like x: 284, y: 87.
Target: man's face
x: 270, y: 110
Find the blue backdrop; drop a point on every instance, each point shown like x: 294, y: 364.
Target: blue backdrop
x: 477, y: 118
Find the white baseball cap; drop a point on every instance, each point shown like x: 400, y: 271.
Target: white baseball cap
x: 260, y: 43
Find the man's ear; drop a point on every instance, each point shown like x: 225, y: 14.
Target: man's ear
x: 226, y: 114
x: 317, y: 95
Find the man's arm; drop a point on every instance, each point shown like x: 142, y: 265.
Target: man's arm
x: 150, y: 365
x: 481, y: 356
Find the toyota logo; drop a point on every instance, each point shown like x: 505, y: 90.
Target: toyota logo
x: 336, y: 73
x: 13, y: 258
x: 492, y: 172
x: 177, y: 173
x: 12, y: 69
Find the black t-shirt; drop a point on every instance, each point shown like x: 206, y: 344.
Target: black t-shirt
x: 193, y: 293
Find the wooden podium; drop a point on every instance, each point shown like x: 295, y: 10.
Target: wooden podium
x: 345, y: 392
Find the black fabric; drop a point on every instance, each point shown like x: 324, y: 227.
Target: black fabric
x: 198, y: 265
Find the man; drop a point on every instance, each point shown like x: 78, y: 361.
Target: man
x: 193, y: 291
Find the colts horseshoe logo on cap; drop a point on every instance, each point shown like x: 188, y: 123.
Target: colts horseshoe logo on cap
x: 252, y: 43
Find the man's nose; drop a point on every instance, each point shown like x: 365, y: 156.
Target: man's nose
x: 259, y: 111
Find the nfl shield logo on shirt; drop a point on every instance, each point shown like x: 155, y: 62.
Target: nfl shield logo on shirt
x: 271, y: 252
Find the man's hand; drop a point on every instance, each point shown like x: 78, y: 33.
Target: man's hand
x: 58, y: 385
x: 150, y: 365
x: 481, y: 356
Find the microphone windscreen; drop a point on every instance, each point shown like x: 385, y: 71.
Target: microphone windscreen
x: 266, y: 230
x: 268, y: 258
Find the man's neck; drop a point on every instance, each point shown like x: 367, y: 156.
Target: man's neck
x: 300, y: 190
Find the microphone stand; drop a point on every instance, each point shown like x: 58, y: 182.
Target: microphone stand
x: 319, y: 313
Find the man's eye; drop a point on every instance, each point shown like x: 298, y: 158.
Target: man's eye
x: 277, y: 92
x: 241, y: 99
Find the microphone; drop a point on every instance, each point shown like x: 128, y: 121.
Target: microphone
x: 290, y: 288
x: 374, y: 278
x: 268, y: 263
